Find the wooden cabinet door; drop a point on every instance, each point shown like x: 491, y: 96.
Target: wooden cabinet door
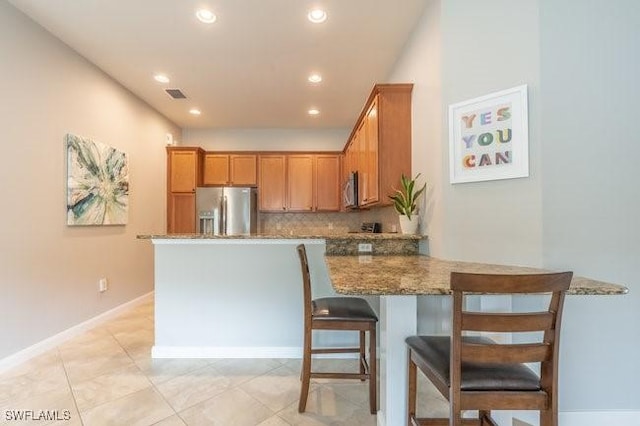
x: 327, y: 182
x: 216, y: 169
x: 371, y: 154
x: 360, y: 140
x: 182, y: 213
x: 272, y: 183
x: 183, y: 170
x: 300, y: 182
x: 243, y: 169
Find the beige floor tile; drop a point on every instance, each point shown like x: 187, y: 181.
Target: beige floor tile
x: 196, y: 386
x: 276, y: 389
x: 108, y: 387
x: 355, y: 391
x: 59, y: 401
x: 141, y: 408
x: 325, y: 407
x: 82, y: 368
x: 42, y: 375
x: 274, y: 421
x: 160, y: 370
x: 174, y: 420
x: 231, y: 408
x: 240, y: 370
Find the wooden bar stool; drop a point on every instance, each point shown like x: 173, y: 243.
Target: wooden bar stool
x: 337, y: 313
x: 477, y: 373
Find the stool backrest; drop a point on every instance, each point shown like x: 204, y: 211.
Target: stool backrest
x: 547, y: 321
x: 306, y: 283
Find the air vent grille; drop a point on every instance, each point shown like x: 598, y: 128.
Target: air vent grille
x: 175, y: 93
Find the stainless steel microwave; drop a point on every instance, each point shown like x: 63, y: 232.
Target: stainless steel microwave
x: 350, y: 191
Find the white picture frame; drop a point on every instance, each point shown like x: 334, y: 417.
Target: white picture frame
x: 489, y: 137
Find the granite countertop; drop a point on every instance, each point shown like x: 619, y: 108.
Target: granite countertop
x: 342, y: 236
x: 424, y: 275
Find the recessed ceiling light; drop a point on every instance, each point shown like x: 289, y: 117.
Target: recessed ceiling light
x: 313, y: 111
x: 194, y: 111
x: 315, y: 78
x: 317, y: 16
x: 161, y: 78
x: 206, y: 16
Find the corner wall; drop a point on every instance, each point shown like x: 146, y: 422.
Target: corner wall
x: 590, y: 63
x: 579, y: 208
x: 49, y: 271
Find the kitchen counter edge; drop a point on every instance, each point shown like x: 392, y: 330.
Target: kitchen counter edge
x: 349, y: 236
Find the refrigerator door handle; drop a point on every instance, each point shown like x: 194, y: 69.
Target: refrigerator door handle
x: 224, y: 215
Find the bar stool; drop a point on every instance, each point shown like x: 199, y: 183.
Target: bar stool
x: 477, y: 373
x: 337, y: 313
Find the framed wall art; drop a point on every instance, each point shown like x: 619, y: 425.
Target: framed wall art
x: 489, y: 137
x: 97, y: 183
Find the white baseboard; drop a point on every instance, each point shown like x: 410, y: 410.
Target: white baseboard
x: 565, y: 418
x: 51, y: 342
x: 225, y: 352
x: 576, y: 418
x: 597, y: 418
x: 237, y: 352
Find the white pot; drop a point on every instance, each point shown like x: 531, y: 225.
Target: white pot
x: 409, y: 226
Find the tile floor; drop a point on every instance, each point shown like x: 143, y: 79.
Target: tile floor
x: 107, y: 377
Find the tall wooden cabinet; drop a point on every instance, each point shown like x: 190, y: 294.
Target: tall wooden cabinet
x: 272, y: 183
x: 300, y: 183
x: 327, y: 182
x: 183, y: 176
x: 379, y: 147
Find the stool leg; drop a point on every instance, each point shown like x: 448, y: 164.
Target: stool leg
x: 373, y: 371
x: 305, y: 372
x: 412, y: 389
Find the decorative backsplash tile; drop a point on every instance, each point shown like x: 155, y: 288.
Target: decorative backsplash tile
x: 327, y: 223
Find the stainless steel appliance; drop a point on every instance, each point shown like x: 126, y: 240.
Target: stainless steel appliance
x: 227, y: 210
x: 350, y: 191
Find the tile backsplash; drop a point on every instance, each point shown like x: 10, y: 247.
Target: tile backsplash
x: 327, y: 223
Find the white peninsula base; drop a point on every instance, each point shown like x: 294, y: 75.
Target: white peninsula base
x: 236, y: 298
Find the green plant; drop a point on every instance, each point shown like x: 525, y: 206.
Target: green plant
x: 404, y: 200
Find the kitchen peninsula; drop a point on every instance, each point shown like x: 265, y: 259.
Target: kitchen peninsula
x: 241, y: 296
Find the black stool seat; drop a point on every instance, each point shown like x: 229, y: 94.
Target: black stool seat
x: 435, y: 351
x: 341, y: 309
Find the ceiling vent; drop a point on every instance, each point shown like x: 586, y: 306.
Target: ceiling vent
x: 175, y: 93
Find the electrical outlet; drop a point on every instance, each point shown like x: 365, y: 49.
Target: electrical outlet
x: 103, y: 285
x: 330, y: 225
x: 365, y: 248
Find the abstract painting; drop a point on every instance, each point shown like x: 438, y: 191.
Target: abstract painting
x: 97, y: 183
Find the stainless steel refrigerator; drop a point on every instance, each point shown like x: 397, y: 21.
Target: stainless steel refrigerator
x: 227, y: 210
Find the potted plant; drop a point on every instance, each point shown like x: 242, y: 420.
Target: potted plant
x: 405, y: 203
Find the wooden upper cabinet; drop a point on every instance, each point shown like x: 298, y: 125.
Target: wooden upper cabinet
x: 243, y: 169
x: 183, y: 176
x: 272, y: 183
x: 327, y: 182
x: 381, y: 140
x: 371, y: 154
x: 215, y: 169
x: 300, y: 183
x: 230, y: 169
x: 183, y: 169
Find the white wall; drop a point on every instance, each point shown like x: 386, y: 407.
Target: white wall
x: 579, y: 207
x: 49, y: 271
x: 590, y: 63
x: 267, y: 139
